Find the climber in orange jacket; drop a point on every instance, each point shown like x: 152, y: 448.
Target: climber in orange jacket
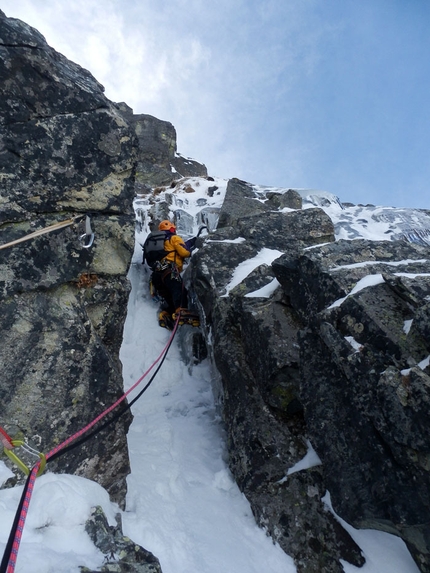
x: 174, y: 245
x: 167, y: 280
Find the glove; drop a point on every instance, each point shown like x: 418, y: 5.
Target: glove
x: 199, y: 242
x: 190, y: 243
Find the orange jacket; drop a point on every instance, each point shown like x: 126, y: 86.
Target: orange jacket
x: 177, y: 251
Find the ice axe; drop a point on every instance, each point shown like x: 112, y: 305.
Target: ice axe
x: 201, y: 229
x: 190, y: 244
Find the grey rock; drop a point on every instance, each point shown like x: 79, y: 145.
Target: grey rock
x: 159, y: 163
x: 324, y: 276
x: 286, y: 231
x: 422, y: 321
x: 187, y: 167
x: 365, y: 418
x: 290, y: 199
x: 290, y: 371
x: 254, y: 345
x: 122, y: 555
x: 63, y: 145
x: 240, y: 200
x: 316, y: 362
x: 65, y: 150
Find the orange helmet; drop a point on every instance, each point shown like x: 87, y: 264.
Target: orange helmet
x: 166, y: 226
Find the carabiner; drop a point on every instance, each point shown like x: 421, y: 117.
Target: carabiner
x: 87, y: 238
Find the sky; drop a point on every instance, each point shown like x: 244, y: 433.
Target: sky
x: 321, y: 94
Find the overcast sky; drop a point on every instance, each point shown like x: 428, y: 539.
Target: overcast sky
x: 324, y: 94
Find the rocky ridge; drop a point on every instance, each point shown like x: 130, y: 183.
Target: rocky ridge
x: 336, y: 357
x: 325, y: 361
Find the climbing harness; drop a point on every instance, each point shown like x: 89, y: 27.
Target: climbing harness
x: 168, y: 268
x: 11, y: 551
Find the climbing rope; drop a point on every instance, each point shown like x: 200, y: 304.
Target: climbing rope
x: 127, y: 407
x: 5, y: 439
x: 130, y: 404
x: 11, y: 551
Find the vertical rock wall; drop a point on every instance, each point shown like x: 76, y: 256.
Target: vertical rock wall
x: 65, y: 152
x: 316, y: 363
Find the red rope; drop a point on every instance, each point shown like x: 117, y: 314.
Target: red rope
x: 113, y: 406
x: 22, y: 517
x: 5, y: 439
x: 33, y: 474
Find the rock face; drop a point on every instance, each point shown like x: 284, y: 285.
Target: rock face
x: 64, y: 146
x: 65, y: 151
x: 158, y: 163
x: 71, y: 163
x: 361, y: 382
x: 319, y: 362
x: 121, y: 554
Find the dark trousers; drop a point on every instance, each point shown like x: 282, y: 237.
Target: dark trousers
x: 170, y: 287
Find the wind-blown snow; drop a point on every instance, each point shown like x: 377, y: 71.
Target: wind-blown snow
x: 182, y: 502
x: 264, y: 257
x: 365, y: 282
x: 310, y: 460
x: 265, y: 291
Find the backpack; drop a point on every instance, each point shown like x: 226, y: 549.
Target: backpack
x: 153, y: 248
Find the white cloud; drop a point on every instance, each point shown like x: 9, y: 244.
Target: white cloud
x: 280, y: 92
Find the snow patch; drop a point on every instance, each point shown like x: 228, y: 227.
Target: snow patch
x: 365, y: 282
x: 236, y: 241
x: 310, y: 460
x: 265, y: 291
x: 264, y: 257
x: 382, y: 551
x: 370, y: 263
x: 355, y: 345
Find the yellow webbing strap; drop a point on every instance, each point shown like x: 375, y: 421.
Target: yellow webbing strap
x: 15, y: 459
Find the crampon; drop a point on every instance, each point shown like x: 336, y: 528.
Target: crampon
x: 165, y: 320
x: 186, y: 317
